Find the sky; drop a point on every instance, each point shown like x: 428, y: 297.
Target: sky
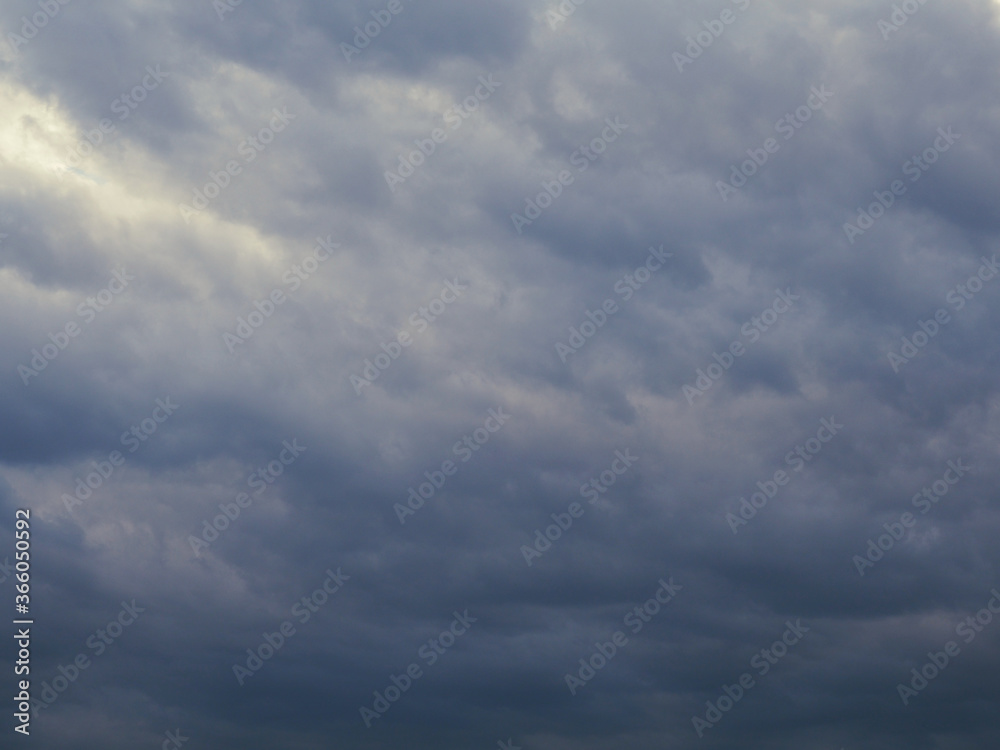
x: 448, y: 374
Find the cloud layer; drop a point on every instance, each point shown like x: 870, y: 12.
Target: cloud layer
x: 488, y: 339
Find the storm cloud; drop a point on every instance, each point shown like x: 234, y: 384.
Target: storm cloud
x: 569, y: 375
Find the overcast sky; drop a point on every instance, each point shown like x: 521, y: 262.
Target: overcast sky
x: 366, y: 365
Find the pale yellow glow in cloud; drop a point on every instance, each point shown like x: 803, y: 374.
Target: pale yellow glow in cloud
x: 119, y: 188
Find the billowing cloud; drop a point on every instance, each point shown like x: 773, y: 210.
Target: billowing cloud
x: 569, y: 375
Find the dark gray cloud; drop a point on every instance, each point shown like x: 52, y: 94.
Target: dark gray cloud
x: 211, y: 152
